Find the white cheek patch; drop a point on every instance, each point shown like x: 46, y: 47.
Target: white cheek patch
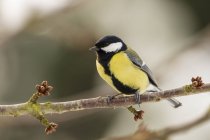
x: 113, y: 47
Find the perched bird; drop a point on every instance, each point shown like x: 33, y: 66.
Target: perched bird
x: 123, y: 69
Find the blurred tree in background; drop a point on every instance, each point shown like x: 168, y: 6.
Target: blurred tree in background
x: 50, y: 40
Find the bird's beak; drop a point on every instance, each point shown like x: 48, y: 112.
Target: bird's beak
x: 93, y: 49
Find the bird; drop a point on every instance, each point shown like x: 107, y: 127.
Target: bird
x: 123, y: 69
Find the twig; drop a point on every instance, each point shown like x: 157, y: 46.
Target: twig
x: 172, y: 130
x: 39, y: 109
x: 144, y: 134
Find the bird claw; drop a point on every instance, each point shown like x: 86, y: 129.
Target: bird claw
x: 110, y: 98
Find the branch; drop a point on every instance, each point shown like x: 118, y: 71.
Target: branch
x: 144, y: 134
x: 38, y: 110
x: 173, y: 130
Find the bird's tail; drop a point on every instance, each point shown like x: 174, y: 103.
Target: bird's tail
x: 174, y: 102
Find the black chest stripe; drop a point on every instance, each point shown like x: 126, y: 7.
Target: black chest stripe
x: 104, y: 60
x: 123, y: 88
x: 105, y: 65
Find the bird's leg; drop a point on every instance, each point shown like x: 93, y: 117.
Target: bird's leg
x: 138, y: 114
x: 138, y: 98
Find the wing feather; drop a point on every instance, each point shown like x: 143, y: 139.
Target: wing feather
x: 134, y: 57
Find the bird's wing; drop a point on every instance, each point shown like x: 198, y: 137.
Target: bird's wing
x: 134, y: 57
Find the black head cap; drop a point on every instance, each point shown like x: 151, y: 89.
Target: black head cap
x: 107, y: 40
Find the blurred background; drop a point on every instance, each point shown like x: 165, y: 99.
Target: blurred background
x: 49, y: 40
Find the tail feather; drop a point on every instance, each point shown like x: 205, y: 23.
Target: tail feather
x: 175, y: 103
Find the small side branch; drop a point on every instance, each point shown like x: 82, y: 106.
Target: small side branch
x: 145, y: 134
x: 179, y: 129
x: 32, y: 107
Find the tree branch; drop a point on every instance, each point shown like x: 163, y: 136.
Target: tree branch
x: 173, y: 130
x: 144, y: 134
x: 38, y: 110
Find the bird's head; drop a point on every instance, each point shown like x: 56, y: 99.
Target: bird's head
x: 109, y: 44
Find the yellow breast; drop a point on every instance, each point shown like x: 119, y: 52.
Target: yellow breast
x: 128, y: 73
x: 104, y: 76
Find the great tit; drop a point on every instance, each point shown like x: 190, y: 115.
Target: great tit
x: 123, y: 69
